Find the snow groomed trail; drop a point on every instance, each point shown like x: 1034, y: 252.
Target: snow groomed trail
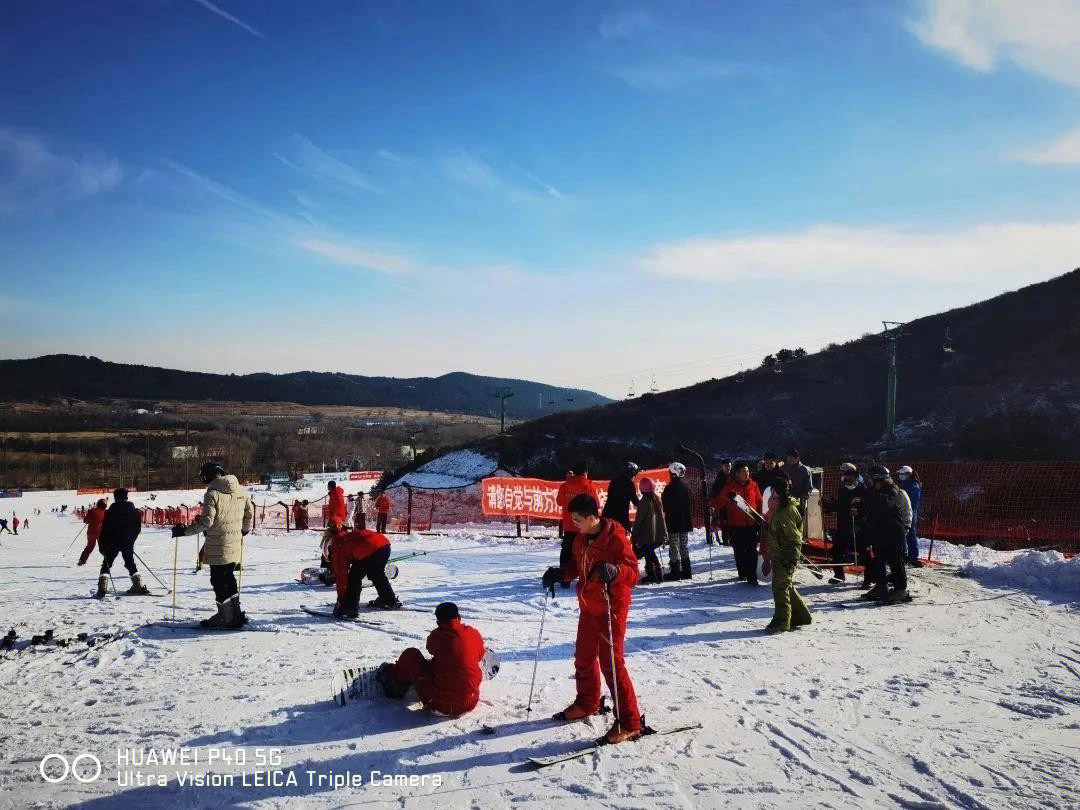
x: 967, y: 698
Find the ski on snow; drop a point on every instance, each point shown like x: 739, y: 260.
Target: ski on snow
x: 544, y: 762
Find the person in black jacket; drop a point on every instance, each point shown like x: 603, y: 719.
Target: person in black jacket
x: 767, y: 473
x: 850, y: 497
x: 119, y: 529
x: 885, y: 530
x: 621, y: 493
x: 679, y: 517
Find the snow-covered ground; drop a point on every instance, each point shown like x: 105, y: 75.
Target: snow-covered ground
x: 969, y: 697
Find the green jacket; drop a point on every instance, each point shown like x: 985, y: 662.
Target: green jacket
x: 786, y: 534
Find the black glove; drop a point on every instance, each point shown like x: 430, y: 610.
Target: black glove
x: 245, y: 534
x: 178, y: 531
x: 606, y: 572
x: 551, y: 578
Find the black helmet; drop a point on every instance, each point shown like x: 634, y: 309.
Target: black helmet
x: 879, y: 472
x: 209, y: 471
x: 632, y: 468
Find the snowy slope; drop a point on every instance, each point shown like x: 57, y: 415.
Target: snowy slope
x: 967, y: 698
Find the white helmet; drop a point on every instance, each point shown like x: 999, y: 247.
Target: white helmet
x: 677, y: 469
x: 905, y: 470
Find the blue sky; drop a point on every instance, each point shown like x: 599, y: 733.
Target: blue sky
x: 584, y: 193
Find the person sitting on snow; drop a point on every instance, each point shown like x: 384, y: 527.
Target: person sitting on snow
x: 449, y: 683
x: 354, y: 555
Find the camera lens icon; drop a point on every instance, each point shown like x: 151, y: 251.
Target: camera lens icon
x: 85, y: 768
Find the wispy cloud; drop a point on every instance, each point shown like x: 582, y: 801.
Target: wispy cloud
x: 37, y: 176
x: 1041, y: 37
x: 235, y: 217
x: 1007, y: 251
x: 465, y: 169
x: 222, y: 13
x: 673, y: 72
x: 304, y: 156
x: 622, y: 24
x: 1063, y: 151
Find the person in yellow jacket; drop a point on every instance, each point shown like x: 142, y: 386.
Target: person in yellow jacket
x: 227, y: 516
x: 785, y: 549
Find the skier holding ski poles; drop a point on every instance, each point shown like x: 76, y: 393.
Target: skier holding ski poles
x: 606, y: 570
x: 227, y: 515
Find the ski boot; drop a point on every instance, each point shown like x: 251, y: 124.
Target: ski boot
x: 573, y: 713
x: 379, y: 604
x: 619, y: 733
x: 344, y: 611
x: 102, y: 587
x: 875, y: 593
x: 896, y: 596
x: 137, y: 588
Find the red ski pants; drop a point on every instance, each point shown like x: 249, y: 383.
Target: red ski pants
x: 412, y: 669
x: 592, y: 655
x: 90, y: 543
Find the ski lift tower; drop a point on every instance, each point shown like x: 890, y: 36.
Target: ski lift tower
x: 892, y: 333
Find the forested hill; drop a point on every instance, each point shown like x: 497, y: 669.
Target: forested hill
x: 76, y: 377
x: 999, y: 379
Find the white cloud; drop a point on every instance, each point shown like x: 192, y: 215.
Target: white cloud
x: 1064, y: 151
x: 465, y: 169
x: 1041, y: 37
x: 304, y: 156
x: 1010, y: 252
x: 35, y: 176
x: 222, y: 13
x: 351, y: 255
x: 622, y: 24
x: 673, y: 72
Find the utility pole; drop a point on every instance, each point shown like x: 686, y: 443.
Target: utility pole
x: 892, y: 334
x: 147, y: 462
x: 502, y: 394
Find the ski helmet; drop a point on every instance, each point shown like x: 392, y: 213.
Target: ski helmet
x: 632, y: 468
x: 905, y: 470
x: 848, y: 469
x: 209, y: 471
x: 677, y: 469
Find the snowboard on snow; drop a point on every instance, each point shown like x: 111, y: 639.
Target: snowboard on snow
x: 311, y: 576
x: 544, y: 762
x: 360, y: 683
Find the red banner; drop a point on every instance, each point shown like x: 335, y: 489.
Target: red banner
x: 535, y: 497
x: 371, y: 475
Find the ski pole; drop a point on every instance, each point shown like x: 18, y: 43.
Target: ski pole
x: 148, y: 568
x: 407, y: 556
x: 66, y: 550
x: 176, y: 551
x: 710, y: 561
x: 240, y: 579
x: 536, y: 657
x: 611, y: 648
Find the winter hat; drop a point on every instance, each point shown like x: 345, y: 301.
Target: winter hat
x: 879, y: 472
x: 445, y: 612
x: 677, y: 469
x: 209, y: 471
x: 646, y: 485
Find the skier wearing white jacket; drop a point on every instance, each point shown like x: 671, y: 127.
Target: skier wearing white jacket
x: 227, y: 515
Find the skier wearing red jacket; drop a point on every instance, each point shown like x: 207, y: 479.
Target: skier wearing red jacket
x: 336, y: 512
x: 577, y: 483
x: 93, y: 521
x: 606, y: 569
x: 355, y: 555
x: 741, y: 528
x: 450, y: 682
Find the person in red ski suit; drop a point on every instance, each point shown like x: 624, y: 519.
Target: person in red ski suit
x: 606, y: 569
x: 355, y: 555
x: 449, y: 683
x: 577, y: 483
x: 741, y: 529
x: 382, y: 509
x: 336, y: 511
x: 93, y: 521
